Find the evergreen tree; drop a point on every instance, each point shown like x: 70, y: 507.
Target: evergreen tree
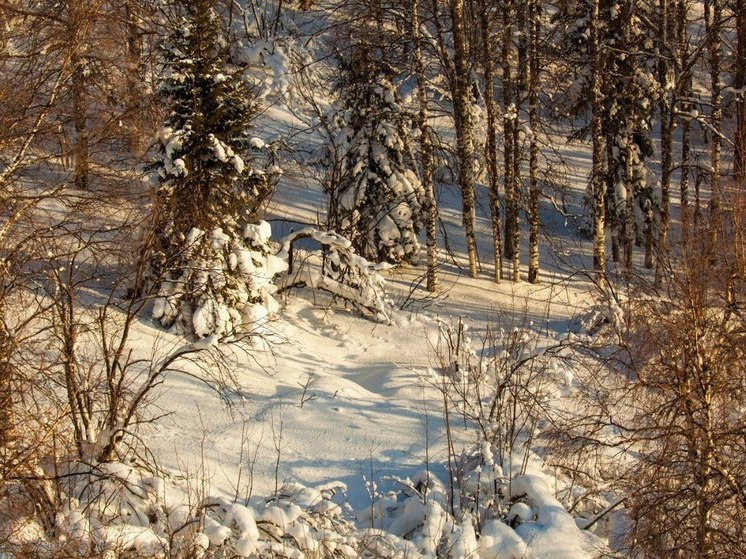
x: 617, y: 84
x: 380, y: 199
x: 207, y: 253
x: 632, y: 91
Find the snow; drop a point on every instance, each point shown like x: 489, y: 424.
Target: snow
x: 554, y: 532
x: 499, y: 541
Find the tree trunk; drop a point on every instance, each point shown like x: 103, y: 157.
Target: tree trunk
x: 75, y: 29
x: 739, y: 157
x: 533, y: 109
x: 464, y: 132
x: 597, y: 170
x: 7, y: 437
x: 508, y: 126
x: 629, y: 200
x: 713, y: 22
x: 491, y: 147
x: 649, y: 221
x: 686, y: 92
x: 521, y: 80
x: 426, y: 151
x: 612, y: 214
x: 668, y: 101
x: 134, y: 79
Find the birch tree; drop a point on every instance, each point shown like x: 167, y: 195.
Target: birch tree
x: 598, y: 185
x: 487, y: 57
x: 713, y: 12
x: 464, y: 128
x: 533, y: 26
x: 430, y: 208
x: 511, y: 158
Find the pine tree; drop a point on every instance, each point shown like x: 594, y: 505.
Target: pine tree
x: 207, y: 252
x: 380, y: 202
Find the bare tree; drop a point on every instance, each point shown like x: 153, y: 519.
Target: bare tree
x: 739, y: 82
x: 713, y: 29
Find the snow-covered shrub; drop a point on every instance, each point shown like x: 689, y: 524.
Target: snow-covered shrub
x: 111, y: 509
x: 220, y: 281
x: 298, y: 522
x: 378, y: 204
x: 501, y: 383
x: 523, y: 519
x: 118, y: 509
x: 338, y: 270
x: 507, y: 391
x: 206, y: 251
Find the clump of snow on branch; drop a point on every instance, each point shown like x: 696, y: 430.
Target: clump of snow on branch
x: 337, y: 269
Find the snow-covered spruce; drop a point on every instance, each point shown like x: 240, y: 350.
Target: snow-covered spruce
x: 220, y: 282
x: 378, y: 204
x: 209, y: 263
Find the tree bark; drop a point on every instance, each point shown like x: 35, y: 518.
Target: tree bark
x: 686, y: 92
x: 597, y: 170
x: 739, y: 157
x: 520, y: 86
x: 76, y: 30
x: 533, y: 110
x: 426, y: 154
x: 629, y: 200
x: 491, y: 147
x: 464, y: 131
x: 668, y: 101
x: 7, y: 431
x: 134, y: 78
x: 713, y: 22
x: 508, y: 126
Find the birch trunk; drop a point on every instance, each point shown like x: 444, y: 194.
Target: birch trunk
x: 713, y: 20
x: 739, y: 156
x: 668, y: 101
x: 533, y: 109
x: 7, y: 437
x: 75, y: 29
x: 508, y: 125
x: 464, y: 132
x: 597, y: 171
x: 491, y: 147
x: 426, y: 153
x: 521, y: 81
x: 134, y: 78
x: 686, y: 92
x: 629, y: 201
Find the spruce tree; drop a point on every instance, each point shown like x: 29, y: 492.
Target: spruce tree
x: 207, y: 252
x: 630, y: 104
x: 380, y: 200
